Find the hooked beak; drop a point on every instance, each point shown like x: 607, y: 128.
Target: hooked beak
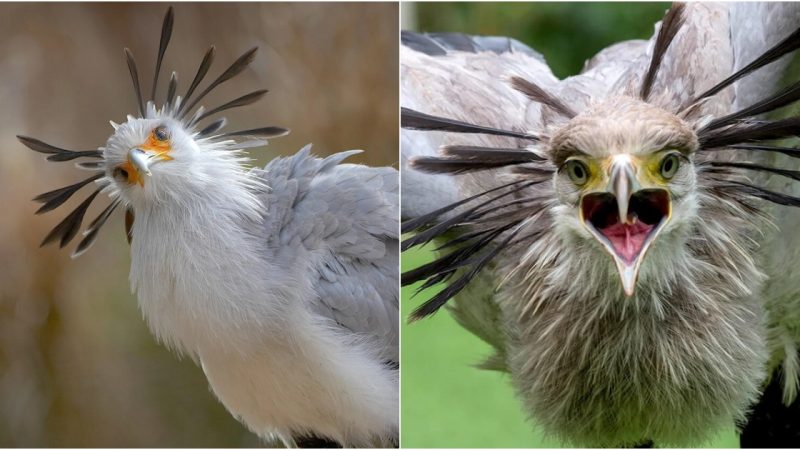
x: 626, y: 219
x: 141, y: 161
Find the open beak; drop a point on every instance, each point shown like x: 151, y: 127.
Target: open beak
x: 626, y: 219
x: 141, y: 161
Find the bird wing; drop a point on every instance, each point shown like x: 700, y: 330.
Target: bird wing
x: 341, y: 221
x: 463, y: 77
x: 780, y: 245
x: 446, y: 76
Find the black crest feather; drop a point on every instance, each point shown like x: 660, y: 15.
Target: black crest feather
x: 202, y: 70
x: 780, y: 99
x: 416, y: 120
x: 166, y: 34
x: 264, y: 132
x: 235, y: 69
x: 788, y: 151
x: 461, y: 159
x: 534, y: 92
x: 789, y: 44
x: 56, y: 153
x: 213, y: 127
x: 750, y: 131
x: 172, y: 88
x: 68, y: 228
x: 55, y: 198
x: 244, y: 100
x: 672, y: 23
x: 137, y: 89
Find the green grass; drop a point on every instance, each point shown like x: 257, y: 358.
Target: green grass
x: 447, y: 403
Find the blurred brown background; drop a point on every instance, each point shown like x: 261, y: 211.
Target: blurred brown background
x: 78, y: 366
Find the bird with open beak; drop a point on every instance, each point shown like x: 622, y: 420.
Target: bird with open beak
x: 607, y: 234
x: 620, y: 178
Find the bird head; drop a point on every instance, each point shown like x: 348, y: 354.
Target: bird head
x: 135, y: 155
x: 166, y: 151
x: 625, y: 179
x: 642, y: 169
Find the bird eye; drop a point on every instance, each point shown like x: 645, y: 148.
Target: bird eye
x: 161, y: 133
x: 578, y: 172
x: 120, y: 174
x: 669, y: 166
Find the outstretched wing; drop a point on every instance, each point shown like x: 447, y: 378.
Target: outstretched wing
x: 454, y: 77
x: 341, y: 219
x: 468, y: 78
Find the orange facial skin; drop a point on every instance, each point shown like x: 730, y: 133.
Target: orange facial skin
x: 158, y: 147
x: 133, y: 174
x: 153, y: 144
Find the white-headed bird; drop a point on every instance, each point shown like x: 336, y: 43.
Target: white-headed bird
x: 281, y: 283
x: 620, y: 237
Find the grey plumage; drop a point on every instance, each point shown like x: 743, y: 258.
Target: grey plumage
x: 280, y: 282
x: 257, y: 137
x: 593, y: 360
x: 344, y: 215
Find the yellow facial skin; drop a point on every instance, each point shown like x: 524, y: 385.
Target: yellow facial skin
x: 647, y: 168
x: 622, y: 175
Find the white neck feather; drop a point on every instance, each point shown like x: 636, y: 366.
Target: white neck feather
x: 195, y: 261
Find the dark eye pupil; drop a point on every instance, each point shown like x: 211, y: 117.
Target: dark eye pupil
x: 161, y: 134
x: 669, y: 166
x: 578, y: 171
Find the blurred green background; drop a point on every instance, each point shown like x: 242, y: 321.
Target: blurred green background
x: 446, y: 402
x: 78, y: 366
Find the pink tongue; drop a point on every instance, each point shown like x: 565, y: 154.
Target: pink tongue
x: 627, y: 239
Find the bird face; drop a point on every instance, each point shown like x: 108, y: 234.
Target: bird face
x: 145, y: 154
x: 625, y: 178
x: 163, y: 154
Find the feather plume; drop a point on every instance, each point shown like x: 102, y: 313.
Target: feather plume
x: 68, y: 228
x: 166, y: 34
x: 780, y: 99
x: 236, y: 68
x: 55, y: 198
x: 57, y: 154
x: 416, y: 120
x: 672, y: 23
x: 539, y: 95
x: 749, y: 131
x: 202, y: 70
x: 135, y: 78
x: 789, y: 44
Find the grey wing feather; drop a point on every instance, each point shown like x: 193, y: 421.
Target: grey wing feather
x: 780, y: 249
x: 715, y: 40
x: 343, y: 219
x: 439, y: 44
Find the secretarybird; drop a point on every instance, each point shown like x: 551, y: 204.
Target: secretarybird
x: 623, y: 238
x: 281, y: 283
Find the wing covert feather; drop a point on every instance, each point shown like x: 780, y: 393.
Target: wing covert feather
x: 341, y: 221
